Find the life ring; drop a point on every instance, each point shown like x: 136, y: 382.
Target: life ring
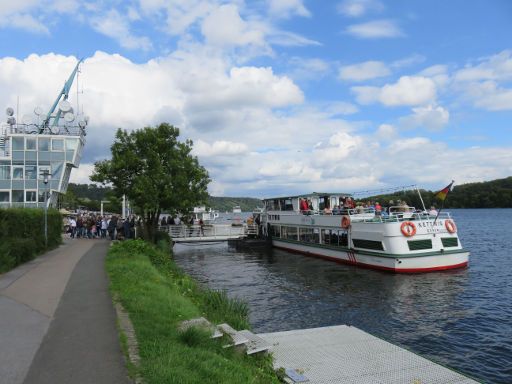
x: 408, y: 229
x: 450, y: 226
x: 345, y: 222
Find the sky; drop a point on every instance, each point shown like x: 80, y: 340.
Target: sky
x: 280, y: 97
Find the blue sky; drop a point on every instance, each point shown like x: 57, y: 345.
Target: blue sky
x: 281, y: 96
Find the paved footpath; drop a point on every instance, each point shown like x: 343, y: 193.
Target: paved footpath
x: 57, y: 323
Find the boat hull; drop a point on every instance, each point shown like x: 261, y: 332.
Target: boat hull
x: 416, y: 263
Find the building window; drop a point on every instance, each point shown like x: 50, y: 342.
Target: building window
x: 5, y: 172
x: 17, y: 196
x: 18, y: 144
x: 71, y: 144
x: 30, y: 144
x: 44, y: 144
x: 17, y: 173
x: 57, y: 145
x: 30, y: 196
x: 56, y: 170
x: 30, y: 172
x: 4, y: 197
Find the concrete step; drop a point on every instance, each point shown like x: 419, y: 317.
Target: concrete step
x: 236, y: 337
x: 255, y: 343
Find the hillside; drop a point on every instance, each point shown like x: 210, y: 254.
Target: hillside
x: 224, y: 204
x: 488, y: 194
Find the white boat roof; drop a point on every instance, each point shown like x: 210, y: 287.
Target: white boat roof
x: 307, y: 195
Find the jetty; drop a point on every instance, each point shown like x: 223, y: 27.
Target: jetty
x: 209, y: 232
x: 346, y: 354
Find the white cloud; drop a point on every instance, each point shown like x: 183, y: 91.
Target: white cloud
x: 219, y: 148
x: 375, y: 30
x: 114, y: 25
x: 249, y: 125
x: 287, y: 8
x: 496, y: 67
x: 12, y: 7
x: 409, y: 90
x: 408, y: 61
x: 224, y: 26
x: 430, y: 117
x: 358, y: 8
x: 485, y: 84
x: 364, y: 71
x: 386, y: 132
x: 24, y: 21
x: 488, y: 95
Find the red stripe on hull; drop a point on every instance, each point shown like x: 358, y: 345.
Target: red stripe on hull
x: 377, y: 267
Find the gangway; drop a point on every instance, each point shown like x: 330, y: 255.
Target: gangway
x: 209, y: 232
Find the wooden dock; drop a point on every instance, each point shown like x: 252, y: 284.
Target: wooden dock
x: 345, y: 354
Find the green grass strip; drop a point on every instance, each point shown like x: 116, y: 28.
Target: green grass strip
x: 158, y: 296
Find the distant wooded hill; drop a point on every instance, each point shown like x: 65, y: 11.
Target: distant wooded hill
x: 222, y: 204
x: 489, y: 194
x: 90, y: 195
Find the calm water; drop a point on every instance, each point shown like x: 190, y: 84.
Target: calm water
x: 462, y: 319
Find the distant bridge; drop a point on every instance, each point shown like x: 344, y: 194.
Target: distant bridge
x: 209, y: 232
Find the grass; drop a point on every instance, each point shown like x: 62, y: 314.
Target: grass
x: 158, y: 296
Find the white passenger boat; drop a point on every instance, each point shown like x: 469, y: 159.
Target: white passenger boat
x: 237, y: 209
x: 397, y: 240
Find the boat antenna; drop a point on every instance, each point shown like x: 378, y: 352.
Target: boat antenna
x: 64, y: 94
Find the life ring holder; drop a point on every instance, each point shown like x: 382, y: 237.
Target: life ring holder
x: 408, y: 228
x: 450, y: 226
x: 345, y: 222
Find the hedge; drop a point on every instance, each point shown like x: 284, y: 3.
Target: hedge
x: 22, y: 234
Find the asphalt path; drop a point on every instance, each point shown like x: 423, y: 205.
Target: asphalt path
x: 82, y: 345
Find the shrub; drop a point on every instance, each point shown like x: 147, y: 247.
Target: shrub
x: 15, y: 251
x: 22, y: 234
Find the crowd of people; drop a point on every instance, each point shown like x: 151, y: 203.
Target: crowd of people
x: 347, y: 204
x: 95, y: 226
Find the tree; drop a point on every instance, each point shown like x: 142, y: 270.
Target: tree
x: 156, y: 172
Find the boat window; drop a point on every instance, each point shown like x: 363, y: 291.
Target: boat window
x: 289, y: 233
x: 276, y: 231
x: 309, y: 235
x: 57, y: 145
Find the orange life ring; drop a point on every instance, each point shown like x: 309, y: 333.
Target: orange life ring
x: 450, y: 226
x: 345, y: 222
x: 408, y: 228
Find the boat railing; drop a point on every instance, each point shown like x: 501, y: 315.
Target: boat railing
x: 370, y: 215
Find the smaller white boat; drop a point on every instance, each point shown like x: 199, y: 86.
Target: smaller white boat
x: 237, y: 209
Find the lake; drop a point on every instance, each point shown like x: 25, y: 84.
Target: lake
x: 460, y: 318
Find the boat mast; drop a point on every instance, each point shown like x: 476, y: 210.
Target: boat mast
x: 422, y: 203
x: 65, y: 93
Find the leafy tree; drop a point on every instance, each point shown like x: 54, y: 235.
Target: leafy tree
x: 156, y: 172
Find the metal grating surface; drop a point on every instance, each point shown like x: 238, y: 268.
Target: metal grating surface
x: 344, y: 354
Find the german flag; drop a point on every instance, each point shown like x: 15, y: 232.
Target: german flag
x: 441, y: 195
